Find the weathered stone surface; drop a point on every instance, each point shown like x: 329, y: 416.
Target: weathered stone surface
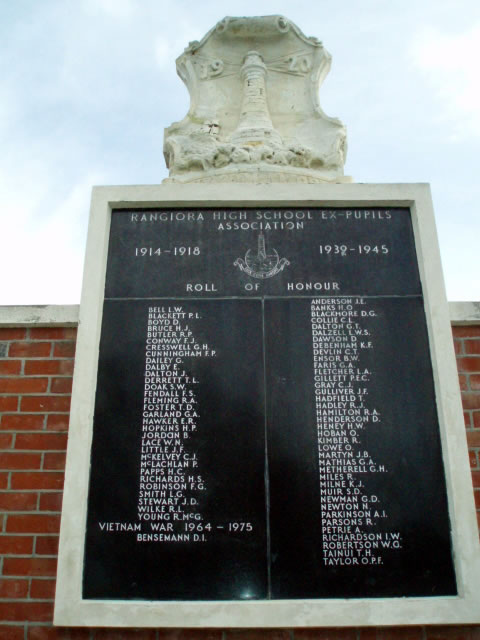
x: 254, y: 113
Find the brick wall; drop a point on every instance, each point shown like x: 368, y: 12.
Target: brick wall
x: 36, y: 367
x: 467, y: 348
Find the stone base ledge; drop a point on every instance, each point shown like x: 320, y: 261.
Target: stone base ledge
x: 60, y: 315
x: 464, y: 312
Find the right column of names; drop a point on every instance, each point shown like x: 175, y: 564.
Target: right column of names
x: 354, y: 522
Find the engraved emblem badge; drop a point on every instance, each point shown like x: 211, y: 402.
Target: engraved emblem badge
x: 261, y: 263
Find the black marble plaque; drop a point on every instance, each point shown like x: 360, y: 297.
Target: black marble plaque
x: 265, y: 423
x: 180, y: 514
x: 357, y: 497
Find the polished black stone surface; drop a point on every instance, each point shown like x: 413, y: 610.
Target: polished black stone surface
x: 405, y: 441
x: 230, y: 446
x: 144, y: 256
x: 304, y: 310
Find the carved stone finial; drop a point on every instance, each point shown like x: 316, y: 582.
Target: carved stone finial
x: 254, y: 114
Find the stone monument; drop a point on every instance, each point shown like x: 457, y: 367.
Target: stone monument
x: 254, y: 113
x: 266, y: 427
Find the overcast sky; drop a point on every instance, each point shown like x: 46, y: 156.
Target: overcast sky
x: 87, y: 87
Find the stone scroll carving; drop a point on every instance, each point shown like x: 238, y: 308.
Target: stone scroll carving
x: 254, y: 114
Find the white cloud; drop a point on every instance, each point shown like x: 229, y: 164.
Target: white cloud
x: 114, y: 8
x: 44, y: 256
x: 449, y: 63
x: 167, y: 49
x: 162, y: 52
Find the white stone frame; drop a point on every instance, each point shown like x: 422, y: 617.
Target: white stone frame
x: 72, y: 610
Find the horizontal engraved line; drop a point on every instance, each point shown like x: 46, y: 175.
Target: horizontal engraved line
x: 268, y: 297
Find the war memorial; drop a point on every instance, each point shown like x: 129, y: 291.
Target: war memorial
x: 266, y: 428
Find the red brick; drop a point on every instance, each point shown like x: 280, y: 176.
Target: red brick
x: 476, y: 419
x: 369, y: 633
x: 144, y: 634
x: 11, y: 633
x: 325, y: 634
x: 3, y: 480
x: 8, y: 403
x: 476, y: 495
x: 6, y: 440
x: 471, y: 401
x: 468, y: 331
x: 468, y: 364
x: 472, y: 346
x: 42, y: 589
x: 23, y: 385
x: 452, y: 633
x: 476, y: 479
x: 466, y: 417
x: 17, y: 422
x: 26, y: 611
x: 16, y: 460
x: 462, y: 379
x: 53, y: 333
x: 33, y: 523
x: 37, y: 480
x: 30, y: 349
x: 473, y: 458
x: 11, y: 588
x: 473, y: 438
x: 54, y: 461
x: 458, y: 346
x: 46, y: 545
x: 51, y: 501
x: 48, y: 367
x: 57, y: 633
x: 64, y: 349
x: 16, y: 545
x: 11, y: 501
x: 58, y: 422
x: 45, y: 403
x: 250, y: 634
x: 401, y: 633
x: 391, y: 633
x: 42, y: 441
x: 244, y: 634
x: 12, y: 334
x: 10, y: 367
x: 475, y: 382
x: 61, y: 385
x: 29, y: 566
x: 191, y: 634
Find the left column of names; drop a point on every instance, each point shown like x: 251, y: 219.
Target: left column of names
x: 171, y: 481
